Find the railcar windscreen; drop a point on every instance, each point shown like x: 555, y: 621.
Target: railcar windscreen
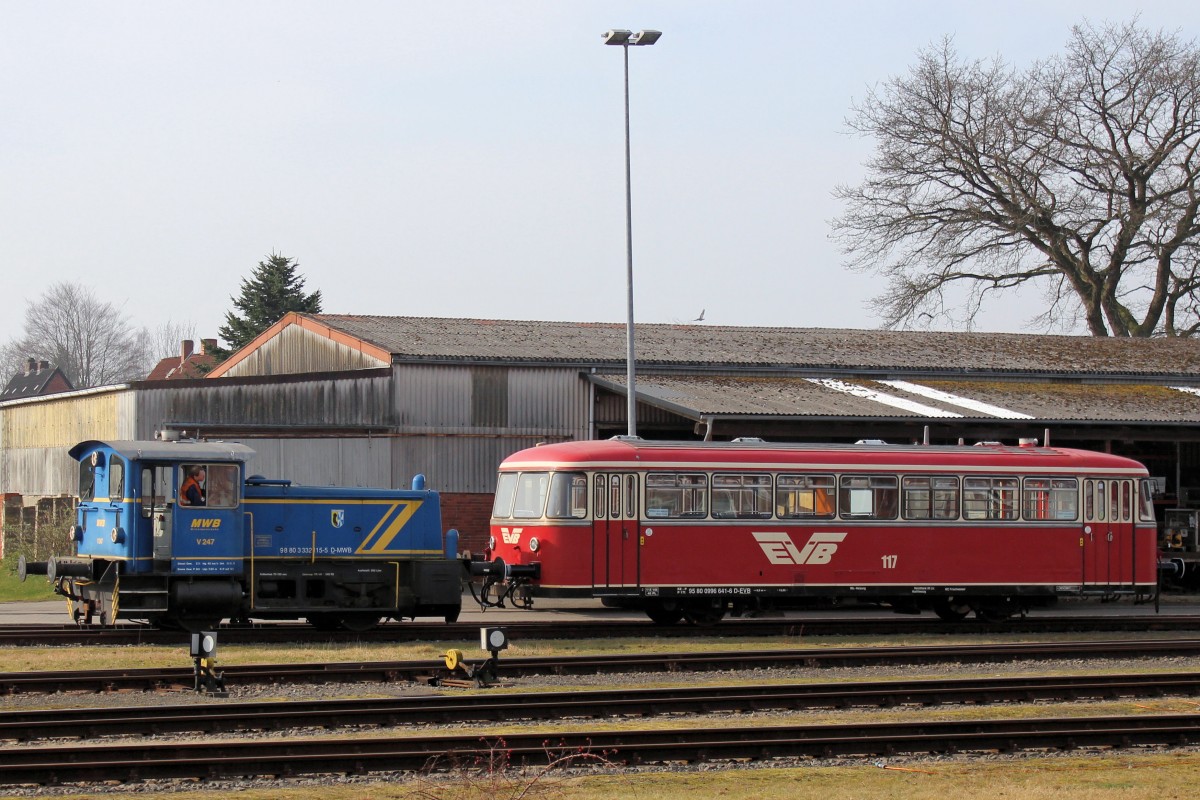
x: 506, y: 488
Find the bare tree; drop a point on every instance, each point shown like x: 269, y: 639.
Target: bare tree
x: 1077, y: 176
x: 90, y: 340
x: 155, y: 344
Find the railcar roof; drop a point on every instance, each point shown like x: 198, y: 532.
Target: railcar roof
x: 184, y: 450
x: 633, y: 452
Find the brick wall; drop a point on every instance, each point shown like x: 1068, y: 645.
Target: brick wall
x: 469, y: 515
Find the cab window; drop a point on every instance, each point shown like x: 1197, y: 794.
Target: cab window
x: 87, y: 480
x: 116, y: 479
x: 222, y: 488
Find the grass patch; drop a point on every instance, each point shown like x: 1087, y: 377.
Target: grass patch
x: 1132, y: 776
x: 13, y: 590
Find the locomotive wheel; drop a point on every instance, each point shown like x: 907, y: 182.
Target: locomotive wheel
x: 704, y: 615
x: 664, y: 613
x: 951, y: 611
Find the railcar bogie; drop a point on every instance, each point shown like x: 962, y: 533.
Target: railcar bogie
x: 174, y: 533
x: 693, y: 531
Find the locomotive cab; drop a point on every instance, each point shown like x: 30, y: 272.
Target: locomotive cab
x: 134, y: 528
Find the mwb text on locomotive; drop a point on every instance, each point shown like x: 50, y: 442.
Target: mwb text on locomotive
x: 175, y: 533
x: 691, y: 530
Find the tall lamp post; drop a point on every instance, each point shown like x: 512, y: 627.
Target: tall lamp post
x: 624, y: 39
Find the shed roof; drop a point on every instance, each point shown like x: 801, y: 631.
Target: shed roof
x: 849, y: 397
x: 428, y: 338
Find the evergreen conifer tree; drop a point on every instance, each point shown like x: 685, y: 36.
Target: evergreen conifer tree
x: 274, y: 288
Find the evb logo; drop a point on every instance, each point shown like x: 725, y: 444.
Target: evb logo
x: 779, y: 548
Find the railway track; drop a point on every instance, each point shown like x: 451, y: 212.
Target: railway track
x: 274, y: 758
x: 390, y: 671
x: 92, y: 723
x: 132, y: 634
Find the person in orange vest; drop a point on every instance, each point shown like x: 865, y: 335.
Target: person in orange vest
x: 191, y: 492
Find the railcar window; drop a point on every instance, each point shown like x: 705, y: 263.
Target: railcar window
x: 930, y: 497
x: 506, y: 490
x: 743, y: 496
x: 531, y: 495
x: 1101, y: 502
x: 671, y: 495
x: 990, y: 498
x: 805, y: 496
x: 1126, y: 501
x: 1050, y: 498
x: 631, y: 487
x: 601, y: 495
x: 1146, y: 501
x: 869, y: 496
x: 568, y: 496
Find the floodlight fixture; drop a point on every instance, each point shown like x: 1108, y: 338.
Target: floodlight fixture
x: 620, y: 36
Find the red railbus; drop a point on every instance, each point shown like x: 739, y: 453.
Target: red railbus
x: 690, y: 530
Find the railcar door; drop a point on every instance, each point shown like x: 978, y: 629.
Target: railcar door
x: 615, y: 530
x: 1107, y: 531
x: 1122, y: 509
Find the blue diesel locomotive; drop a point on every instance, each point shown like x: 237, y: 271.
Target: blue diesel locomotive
x: 175, y: 533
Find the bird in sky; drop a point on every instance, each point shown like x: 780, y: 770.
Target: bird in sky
x: 701, y: 317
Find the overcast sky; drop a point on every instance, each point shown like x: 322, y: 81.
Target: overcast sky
x: 463, y: 158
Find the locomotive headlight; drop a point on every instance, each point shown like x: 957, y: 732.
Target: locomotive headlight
x: 117, y: 535
x: 76, y: 533
x: 534, y: 544
x: 491, y: 543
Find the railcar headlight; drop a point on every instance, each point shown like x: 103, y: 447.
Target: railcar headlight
x: 491, y: 543
x: 534, y: 544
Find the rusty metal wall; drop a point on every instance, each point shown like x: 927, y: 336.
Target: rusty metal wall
x: 37, y: 434
x: 324, y: 462
x: 454, y: 423
x: 332, y: 401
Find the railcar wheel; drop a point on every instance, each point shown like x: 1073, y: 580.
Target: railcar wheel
x: 353, y: 621
x: 187, y: 624
x: 996, y: 612
x: 704, y: 615
x: 664, y: 613
x: 951, y: 611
